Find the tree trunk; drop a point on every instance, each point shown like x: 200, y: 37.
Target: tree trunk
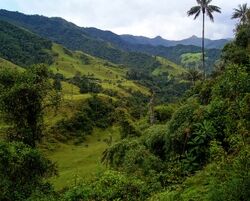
x: 151, y: 109
x: 203, y: 44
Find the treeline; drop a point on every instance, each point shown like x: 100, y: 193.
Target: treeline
x: 166, y: 88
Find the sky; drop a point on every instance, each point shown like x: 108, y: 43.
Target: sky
x: 151, y: 18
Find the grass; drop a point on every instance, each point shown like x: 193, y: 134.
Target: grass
x: 7, y: 64
x: 81, y: 162
x: 110, y: 76
x: 189, y: 60
x: 169, y: 67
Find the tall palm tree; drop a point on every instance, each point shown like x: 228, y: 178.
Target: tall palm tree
x: 203, y: 8
x: 241, y: 13
x: 193, y: 75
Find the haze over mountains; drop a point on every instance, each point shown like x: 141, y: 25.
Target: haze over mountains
x: 193, y: 40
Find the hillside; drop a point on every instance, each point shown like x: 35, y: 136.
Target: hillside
x: 88, y: 116
x: 172, y: 52
x: 22, y: 47
x: 76, y: 38
x: 102, y: 44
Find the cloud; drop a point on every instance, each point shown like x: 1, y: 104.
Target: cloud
x: 139, y: 17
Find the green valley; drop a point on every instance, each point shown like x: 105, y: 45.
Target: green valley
x: 90, y: 115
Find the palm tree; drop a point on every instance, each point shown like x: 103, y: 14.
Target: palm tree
x: 193, y: 75
x: 241, y: 13
x: 204, y: 7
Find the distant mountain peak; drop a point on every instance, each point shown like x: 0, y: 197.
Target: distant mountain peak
x: 194, y: 37
x: 158, y: 37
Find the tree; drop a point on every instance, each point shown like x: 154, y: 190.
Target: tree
x: 193, y: 75
x: 23, y: 171
x: 204, y: 7
x: 241, y: 13
x: 23, y: 98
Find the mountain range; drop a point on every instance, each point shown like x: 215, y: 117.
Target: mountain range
x: 193, y: 40
x: 128, y: 50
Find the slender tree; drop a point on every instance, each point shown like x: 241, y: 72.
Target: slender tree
x: 193, y: 75
x: 241, y: 13
x: 203, y: 7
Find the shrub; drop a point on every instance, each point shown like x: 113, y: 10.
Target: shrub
x: 111, y: 185
x: 22, y: 171
x: 163, y: 113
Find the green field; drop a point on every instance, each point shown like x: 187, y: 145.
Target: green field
x: 191, y: 60
x: 169, y: 67
x: 6, y: 64
x: 110, y: 76
x: 83, y: 161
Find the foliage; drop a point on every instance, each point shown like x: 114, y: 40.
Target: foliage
x: 87, y: 84
x: 22, y: 170
x: 95, y: 112
x: 22, y: 101
x: 22, y: 47
x: 163, y: 113
x: 231, y: 182
x: 110, y: 185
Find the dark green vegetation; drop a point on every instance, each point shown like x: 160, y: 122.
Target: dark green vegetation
x: 22, y: 102
x: 22, y: 47
x: 123, y: 133
x: 23, y: 171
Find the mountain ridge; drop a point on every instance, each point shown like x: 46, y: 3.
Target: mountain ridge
x: 103, y: 44
x: 158, y: 40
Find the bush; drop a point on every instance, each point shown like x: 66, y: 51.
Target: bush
x: 22, y: 171
x: 95, y: 112
x: 111, y: 185
x: 163, y: 113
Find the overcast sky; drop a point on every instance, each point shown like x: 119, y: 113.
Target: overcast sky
x: 151, y: 18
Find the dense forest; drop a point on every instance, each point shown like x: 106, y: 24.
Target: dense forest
x: 22, y: 47
x: 173, y: 136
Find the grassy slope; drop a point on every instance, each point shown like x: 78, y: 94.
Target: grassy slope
x: 108, y: 74
x: 169, y: 67
x: 191, y: 59
x: 83, y: 161
x: 7, y: 64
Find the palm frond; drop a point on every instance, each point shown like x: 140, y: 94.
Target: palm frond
x: 210, y: 15
x: 197, y: 14
x: 194, y: 10
x: 214, y: 8
x: 208, y: 2
x: 244, y: 7
x: 240, y: 13
x: 236, y: 15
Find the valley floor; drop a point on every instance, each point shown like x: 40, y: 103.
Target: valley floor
x: 81, y: 162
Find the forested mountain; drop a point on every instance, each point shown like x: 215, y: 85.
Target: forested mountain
x: 103, y: 44
x: 159, y: 41
x: 23, y: 47
x: 75, y: 38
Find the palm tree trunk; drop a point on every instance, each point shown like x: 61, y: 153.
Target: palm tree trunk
x: 151, y: 109
x: 203, y: 44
